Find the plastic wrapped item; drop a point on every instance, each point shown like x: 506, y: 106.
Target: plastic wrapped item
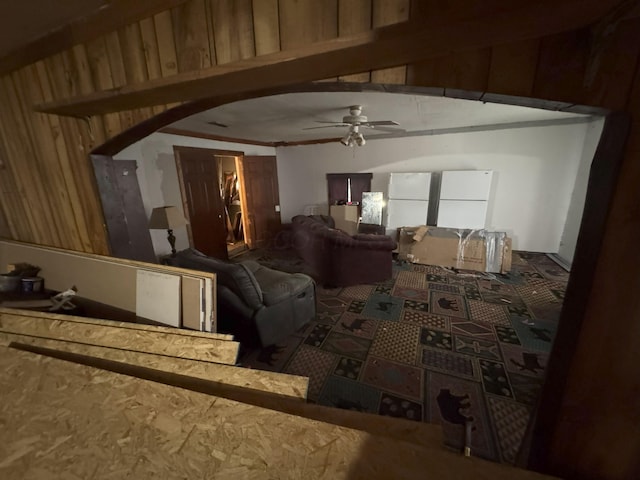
x: 477, y: 250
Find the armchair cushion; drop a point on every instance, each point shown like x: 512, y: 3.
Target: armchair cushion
x: 276, y: 286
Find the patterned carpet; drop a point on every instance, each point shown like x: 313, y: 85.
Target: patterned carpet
x: 432, y: 346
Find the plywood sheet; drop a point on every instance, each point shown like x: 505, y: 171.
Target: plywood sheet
x: 254, y: 381
x: 125, y: 325
x: 149, y: 341
x: 97, y: 424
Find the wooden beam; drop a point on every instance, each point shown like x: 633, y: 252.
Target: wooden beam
x: 117, y: 13
x: 209, y: 136
x: 380, y: 48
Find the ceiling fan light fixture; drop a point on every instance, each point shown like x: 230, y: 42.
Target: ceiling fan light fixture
x: 359, y: 139
x: 346, y: 140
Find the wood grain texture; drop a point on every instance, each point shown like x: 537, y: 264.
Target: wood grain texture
x: 146, y: 341
x: 266, y: 25
x: 393, y: 45
x: 354, y: 16
x: 282, y: 385
x: 187, y: 433
x: 388, y: 12
x: 232, y: 25
x: 117, y: 14
x: 513, y: 68
x: 553, y: 61
x: 191, y: 36
x: 305, y: 22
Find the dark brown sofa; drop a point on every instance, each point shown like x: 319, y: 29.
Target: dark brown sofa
x: 339, y: 259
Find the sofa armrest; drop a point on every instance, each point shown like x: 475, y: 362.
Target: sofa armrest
x: 277, y: 286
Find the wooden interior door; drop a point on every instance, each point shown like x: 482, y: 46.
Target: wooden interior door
x: 260, y: 199
x: 203, y: 207
x: 123, y: 208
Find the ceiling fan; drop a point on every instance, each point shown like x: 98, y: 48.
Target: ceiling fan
x: 354, y: 121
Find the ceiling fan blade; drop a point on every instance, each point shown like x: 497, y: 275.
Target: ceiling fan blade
x: 386, y: 129
x: 325, y: 126
x: 381, y: 122
x: 335, y: 123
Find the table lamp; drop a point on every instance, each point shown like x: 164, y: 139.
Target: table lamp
x: 167, y: 218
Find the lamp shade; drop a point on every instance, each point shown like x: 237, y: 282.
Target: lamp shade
x: 166, y: 218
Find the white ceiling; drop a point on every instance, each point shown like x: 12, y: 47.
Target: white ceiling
x: 283, y: 118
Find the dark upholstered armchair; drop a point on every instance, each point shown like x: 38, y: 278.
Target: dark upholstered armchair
x: 254, y: 300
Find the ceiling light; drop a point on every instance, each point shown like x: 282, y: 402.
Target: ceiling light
x: 346, y: 140
x: 359, y: 139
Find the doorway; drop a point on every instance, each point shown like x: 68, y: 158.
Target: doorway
x: 230, y: 186
x: 230, y: 200
x: 201, y: 180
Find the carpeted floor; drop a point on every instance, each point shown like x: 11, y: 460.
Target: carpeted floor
x: 430, y: 345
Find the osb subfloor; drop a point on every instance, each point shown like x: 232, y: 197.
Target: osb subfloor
x: 431, y: 345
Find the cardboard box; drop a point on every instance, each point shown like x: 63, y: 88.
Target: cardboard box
x: 464, y: 249
x: 346, y: 217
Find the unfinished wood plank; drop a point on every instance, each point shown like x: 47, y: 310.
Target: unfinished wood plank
x: 138, y: 365
x: 22, y: 158
x: 463, y: 71
x: 388, y: 12
x: 60, y: 148
x: 232, y: 24
x: 513, y: 68
x: 147, y: 341
x: 156, y: 431
x: 190, y: 35
x: 166, y: 44
x: 302, y: 23
x: 354, y: 16
x: 388, y: 46
x: 266, y: 26
x: 283, y: 385
x: 55, y: 184
x: 613, y: 60
x: 111, y: 323
x: 562, y: 65
x: 117, y: 14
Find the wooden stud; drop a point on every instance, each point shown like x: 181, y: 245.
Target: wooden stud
x: 266, y: 26
x: 354, y: 16
x: 191, y: 37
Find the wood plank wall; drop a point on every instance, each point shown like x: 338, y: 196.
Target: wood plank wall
x: 48, y: 196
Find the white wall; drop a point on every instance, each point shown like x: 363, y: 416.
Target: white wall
x: 158, y: 176
x: 576, y: 206
x: 534, y: 173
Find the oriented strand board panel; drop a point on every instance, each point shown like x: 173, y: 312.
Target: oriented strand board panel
x: 112, y: 323
x: 62, y: 419
x: 196, y: 348
x: 281, y: 384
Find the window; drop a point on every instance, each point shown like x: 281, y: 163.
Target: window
x: 347, y: 187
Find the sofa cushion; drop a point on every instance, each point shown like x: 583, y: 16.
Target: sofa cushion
x: 277, y: 286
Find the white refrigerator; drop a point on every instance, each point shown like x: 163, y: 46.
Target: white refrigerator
x: 464, y: 199
x: 408, y: 200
